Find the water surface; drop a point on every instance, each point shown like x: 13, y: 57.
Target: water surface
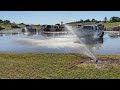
x: 60, y: 42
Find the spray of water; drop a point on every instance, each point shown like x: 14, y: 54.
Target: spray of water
x: 50, y: 43
x: 86, y: 50
x: 26, y: 30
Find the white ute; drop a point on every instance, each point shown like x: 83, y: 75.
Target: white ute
x: 93, y: 31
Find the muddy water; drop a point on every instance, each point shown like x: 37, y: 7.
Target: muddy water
x: 60, y: 42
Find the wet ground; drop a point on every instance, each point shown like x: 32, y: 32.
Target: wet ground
x: 60, y: 42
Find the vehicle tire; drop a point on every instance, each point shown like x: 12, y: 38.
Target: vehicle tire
x: 23, y: 30
x: 102, y: 35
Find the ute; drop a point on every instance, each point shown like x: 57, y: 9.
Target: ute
x: 93, y: 31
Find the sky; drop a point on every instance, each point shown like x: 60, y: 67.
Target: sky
x: 53, y: 17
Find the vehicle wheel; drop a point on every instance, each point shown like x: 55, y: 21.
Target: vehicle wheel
x: 102, y: 35
x: 23, y: 30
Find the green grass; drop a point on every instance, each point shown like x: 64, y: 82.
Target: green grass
x: 113, y: 24
x: 36, y: 27
x: 54, y: 66
x: 75, y: 24
x: 107, y: 25
x: 7, y: 26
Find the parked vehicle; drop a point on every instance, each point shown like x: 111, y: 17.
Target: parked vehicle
x: 90, y: 31
x: 2, y: 27
x: 15, y: 26
x: 79, y: 26
x: 28, y: 28
x: 116, y: 28
x: 52, y: 28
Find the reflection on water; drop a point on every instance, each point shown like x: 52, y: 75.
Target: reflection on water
x: 29, y: 34
x: 1, y: 34
x: 58, y: 42
x: 52, y: 34
x: 114, y: 34
x: 92, y: 43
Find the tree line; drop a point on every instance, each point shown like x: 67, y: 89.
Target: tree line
x: 9, y: 22
x: 105, y: 20
x: 5, y: 21
x: 112, y: 19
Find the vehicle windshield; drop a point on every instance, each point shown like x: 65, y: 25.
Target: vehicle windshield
x: 88, y: 27
x: 55, y: 26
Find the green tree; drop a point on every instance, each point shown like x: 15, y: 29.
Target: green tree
x: 21, y: 24
x: 57, y: 24
x: 81, y: 20
x: 1, y: 21
x: 93, y: 20
x: 114, y: 19
x: 88, y: 20
x: 105, y: 19
x: 7, y: 22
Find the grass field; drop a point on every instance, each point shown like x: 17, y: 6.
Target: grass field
x: 36, y: 27
x: 7, y: 26
x: 114, y: 24
x: 57, y: 66
x: 107, y: 25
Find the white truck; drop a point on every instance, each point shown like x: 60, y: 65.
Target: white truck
x: 93, y: 31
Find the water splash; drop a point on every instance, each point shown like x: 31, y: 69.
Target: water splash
x: 26, y: 30
x: 86, y: 50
